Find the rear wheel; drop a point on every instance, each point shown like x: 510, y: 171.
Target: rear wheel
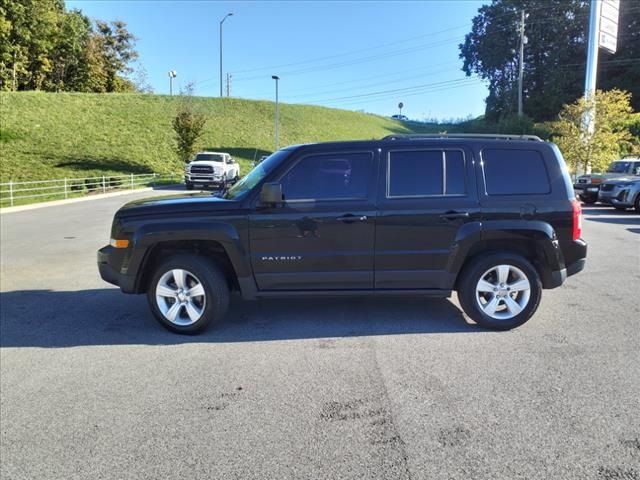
x: 500, y: 291
x: 187, y: 293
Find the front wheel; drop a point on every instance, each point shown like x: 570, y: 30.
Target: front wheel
x: 187, y: 293
x: 189, y: 185
x: 636, y: 204
x: 588, y: 200
x: 500, y: 291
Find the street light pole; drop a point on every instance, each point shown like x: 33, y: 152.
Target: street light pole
x: 172, y: 74
x: 276, y: 78
x: 221, y: 22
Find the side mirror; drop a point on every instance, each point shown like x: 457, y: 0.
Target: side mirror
x: 271, y: 194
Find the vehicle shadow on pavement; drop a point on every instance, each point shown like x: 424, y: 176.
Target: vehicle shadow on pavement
x: 50, y: 319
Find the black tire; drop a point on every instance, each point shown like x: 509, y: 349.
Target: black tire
x: 472, y: 274
x: 213, y: 281
x: 189, y: 186
x: 636, y: 204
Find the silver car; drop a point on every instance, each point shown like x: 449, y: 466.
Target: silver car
x: 621, y: 193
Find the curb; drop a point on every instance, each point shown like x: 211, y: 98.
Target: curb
x: 56, y: 203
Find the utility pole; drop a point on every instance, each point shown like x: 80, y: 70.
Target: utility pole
x: 521, y: 62
x: 221, y: 22
x: 592, y: 69
x: 229, y: 76
x: 276, y: 78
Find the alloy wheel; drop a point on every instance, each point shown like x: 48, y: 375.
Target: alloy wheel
x: 180, y: 297
x: 503, y: 291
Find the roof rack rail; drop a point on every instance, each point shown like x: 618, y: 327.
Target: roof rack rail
x: 418, y: 136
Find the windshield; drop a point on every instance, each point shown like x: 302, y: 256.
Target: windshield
x: 209, y: 157
x: 256, y: 175
x: 618, y: 167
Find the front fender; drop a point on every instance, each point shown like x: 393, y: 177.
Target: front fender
x: 225, y: 233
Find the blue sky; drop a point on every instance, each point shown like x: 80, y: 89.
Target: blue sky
x: 355, y: 55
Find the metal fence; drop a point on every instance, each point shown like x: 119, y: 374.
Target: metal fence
x: 42, y: 190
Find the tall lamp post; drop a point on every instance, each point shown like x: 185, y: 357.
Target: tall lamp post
x: 276, y: 78
x: 221, y: 22
x: 172, y: 74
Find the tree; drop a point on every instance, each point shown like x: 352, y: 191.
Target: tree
x: 555, y: 55
x: 68, y: 54
x: 610, y: 139
x: 45, y: 47
x: 188, y: 125
x: 118, y: 50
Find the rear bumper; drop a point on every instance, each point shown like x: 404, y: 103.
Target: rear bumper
x: 576, y: 267
x: 110, y: 273
x: 558, y: 277
x: 575, y: 255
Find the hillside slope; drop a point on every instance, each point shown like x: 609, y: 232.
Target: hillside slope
x: 56, y: 135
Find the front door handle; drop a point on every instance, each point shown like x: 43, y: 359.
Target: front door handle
x: 350, y: 218
x: 454, y: 215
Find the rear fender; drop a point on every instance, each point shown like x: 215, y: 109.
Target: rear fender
x: 538, y: 239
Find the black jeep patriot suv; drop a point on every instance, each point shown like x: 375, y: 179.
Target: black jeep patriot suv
x: 492, y: 217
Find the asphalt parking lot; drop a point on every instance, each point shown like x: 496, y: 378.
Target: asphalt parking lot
x: 92, y: 387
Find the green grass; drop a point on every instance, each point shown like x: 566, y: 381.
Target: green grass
x: 57, y: 135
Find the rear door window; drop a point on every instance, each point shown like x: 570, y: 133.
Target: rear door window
x: 425, y: 173
x: 514, y: 172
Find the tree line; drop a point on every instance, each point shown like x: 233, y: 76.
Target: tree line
x: 45, y: 47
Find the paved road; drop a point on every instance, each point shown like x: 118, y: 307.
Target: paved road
x: 92, y: 387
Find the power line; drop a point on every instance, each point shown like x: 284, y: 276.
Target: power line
x: 352, y: 52
x: 397, y: 91
x: 362, y: 59
x: 461, y: 83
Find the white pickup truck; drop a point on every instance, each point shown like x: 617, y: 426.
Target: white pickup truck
x: 211, y: 169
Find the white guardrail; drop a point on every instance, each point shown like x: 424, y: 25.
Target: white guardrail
x: 42, y: 190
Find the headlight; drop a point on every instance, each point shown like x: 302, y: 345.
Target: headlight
x: 186, y: 169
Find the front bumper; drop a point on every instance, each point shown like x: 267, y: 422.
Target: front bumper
x: 108, y: 261
x: 618, y: 197
x: 204, y: 180
x: 586, y: 190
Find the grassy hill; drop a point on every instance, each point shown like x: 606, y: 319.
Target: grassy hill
x: 57, y: 135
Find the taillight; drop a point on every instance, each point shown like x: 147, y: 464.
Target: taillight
x: 577, y: 220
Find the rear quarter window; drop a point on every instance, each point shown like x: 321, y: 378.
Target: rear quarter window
x: 514, y: 172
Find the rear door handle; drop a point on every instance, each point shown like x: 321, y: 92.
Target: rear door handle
x: 349, y: 218
x: 454, y: 215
